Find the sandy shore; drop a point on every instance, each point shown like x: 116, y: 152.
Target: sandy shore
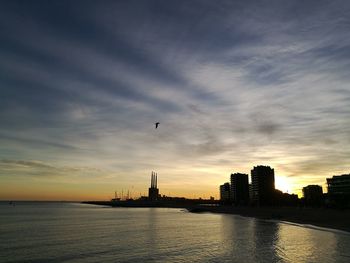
x: 322, y: 217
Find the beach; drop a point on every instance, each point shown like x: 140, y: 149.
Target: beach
x: 322, y: 217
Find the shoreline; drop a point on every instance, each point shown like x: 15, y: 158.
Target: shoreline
x: 143, y: 204
x: 318, y: 217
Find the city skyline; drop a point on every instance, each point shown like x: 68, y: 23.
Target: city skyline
x: 232, y: 85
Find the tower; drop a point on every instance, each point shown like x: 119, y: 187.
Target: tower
x: 263, y: 185
x: 153, y: 191
x: 239, y: 188
x: 225, y: 193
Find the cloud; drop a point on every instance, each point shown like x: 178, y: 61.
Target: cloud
x: 39, y: 169
x: 20, y: 163
x: 241, y: 82
x: 30, y: 142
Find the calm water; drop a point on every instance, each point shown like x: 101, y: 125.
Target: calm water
x: 67, y: 232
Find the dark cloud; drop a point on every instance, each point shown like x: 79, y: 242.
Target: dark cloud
x: 84, y: 82
x: 30, y: 142
x: 41, y: 169
x: 268, y: 128
x: 33, y: 164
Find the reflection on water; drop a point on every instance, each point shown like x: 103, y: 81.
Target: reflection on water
x: 302, y: 245
x: 257, y: 239
x: 56, y: 232
x: 266, y: 237
x: 267, y: 241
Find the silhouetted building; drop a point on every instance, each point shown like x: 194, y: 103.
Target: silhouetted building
x: 313, y: 195
x: 263, y: 185
x: 339, y: 190
x: 285, y: 199
x: 225, y: 196
x: 239, y: 188
x: 153, y: 191
x: 290, y: 199
x: 250, y: 187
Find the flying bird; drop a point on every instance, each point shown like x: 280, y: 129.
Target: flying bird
x: 157, y: 123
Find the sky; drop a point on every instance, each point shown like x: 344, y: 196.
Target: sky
x: 234, y: 84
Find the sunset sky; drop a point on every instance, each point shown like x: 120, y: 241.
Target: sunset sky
x: 234, y: 84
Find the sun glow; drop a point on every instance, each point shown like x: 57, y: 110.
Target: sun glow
x: 283, y: 184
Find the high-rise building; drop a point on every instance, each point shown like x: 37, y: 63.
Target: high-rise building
x: 153, y: 191
x: 339, y: 190
x: 239, y: 188
x: 225, y: 193
x: 339, y: 184
x: 263, y: 185
x: 313, y: 195
x: 250, y: 187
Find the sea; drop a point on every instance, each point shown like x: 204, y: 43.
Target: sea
x: 74, y: 232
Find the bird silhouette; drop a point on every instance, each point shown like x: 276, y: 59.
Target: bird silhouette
x: 157, y: 123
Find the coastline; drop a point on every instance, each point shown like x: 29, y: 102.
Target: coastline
x: 139, y: 204
x: 319, y: 217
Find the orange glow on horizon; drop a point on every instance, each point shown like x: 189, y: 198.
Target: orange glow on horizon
x: 188, y: 187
